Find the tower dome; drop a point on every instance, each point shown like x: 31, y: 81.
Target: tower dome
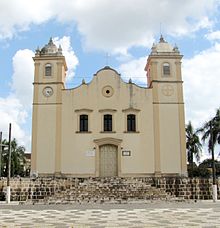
x: 50, y: 49
x: 163, y: 47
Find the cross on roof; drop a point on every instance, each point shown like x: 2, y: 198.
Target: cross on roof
x: 107, y: 59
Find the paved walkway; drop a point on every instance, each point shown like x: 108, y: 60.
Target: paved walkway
x: 138, y: 215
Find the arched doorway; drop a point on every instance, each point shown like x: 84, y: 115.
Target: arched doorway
x: 108, y: 160
x: 103, y: 163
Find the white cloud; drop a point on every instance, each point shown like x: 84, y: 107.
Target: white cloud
x: 116, y: 26
x: 134, y: 69
x: 23, y: 76
x: 71, y: 59
x: 16, y: 108
x: 110, y: 25
x: 201, y: 86
x: 12, y: 111
x: 213, y: 36
x: 18, y: 16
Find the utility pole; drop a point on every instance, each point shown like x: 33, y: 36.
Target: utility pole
x: 0, y: 154
x: 8, y: 195
x: 214, y: 186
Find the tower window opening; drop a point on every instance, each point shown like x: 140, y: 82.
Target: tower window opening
x: 48, y: 69
x: 166, y: 69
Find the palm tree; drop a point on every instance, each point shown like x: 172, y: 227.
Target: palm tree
x: 211, y: 133
x: 193, y: 145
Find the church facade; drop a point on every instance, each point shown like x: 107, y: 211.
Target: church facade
x: 109, y: 127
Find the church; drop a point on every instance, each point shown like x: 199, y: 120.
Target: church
x: 109, y: 127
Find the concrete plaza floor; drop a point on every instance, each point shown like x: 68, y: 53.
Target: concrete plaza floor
x: 204, y: 214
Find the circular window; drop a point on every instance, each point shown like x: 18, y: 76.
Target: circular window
x: 107, y: 91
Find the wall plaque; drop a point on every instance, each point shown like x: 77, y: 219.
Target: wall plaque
x: 126, y: 153
x: 90, y: 153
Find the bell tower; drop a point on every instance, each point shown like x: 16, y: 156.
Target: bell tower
x: 49, y: 80
x: 164, y: 78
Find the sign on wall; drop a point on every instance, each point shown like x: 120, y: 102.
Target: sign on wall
x: 90, y: 153
x: 126, y: 153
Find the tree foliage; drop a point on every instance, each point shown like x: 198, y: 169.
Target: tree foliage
x: 193, y: 145
x: 199, y: 172
x: 211, y: 131
x: 17, y: 159
x: 207, y: 163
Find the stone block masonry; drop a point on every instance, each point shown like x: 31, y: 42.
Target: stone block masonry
x: 187, y: 188
x: 99, y: 190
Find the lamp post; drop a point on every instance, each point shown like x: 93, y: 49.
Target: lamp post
x: 214, y: 186
x: 8, y: 194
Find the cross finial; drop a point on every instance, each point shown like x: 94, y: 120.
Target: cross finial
x: 162, y: 39
x: 160, y: 28
x: 161, y: 36
x: 107, y: 59
x: 51, y: 40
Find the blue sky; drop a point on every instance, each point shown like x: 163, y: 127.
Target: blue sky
x: 89, y: 29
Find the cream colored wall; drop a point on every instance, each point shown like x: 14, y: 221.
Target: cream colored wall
x: 90, y: 96
x: 57, y: 73
x: 157, y: 146
x: 169, y: 139
x: 46, y: 130
x: 46, y: 115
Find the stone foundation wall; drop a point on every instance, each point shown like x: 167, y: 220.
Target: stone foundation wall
x: 188, y: 188
x: 102, y: 189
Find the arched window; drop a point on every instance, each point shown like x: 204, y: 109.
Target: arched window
x: 166, y: 69
x: 107, y: 122
x: 83, y: 123
x: 131, y: 122
x: 48, y: 69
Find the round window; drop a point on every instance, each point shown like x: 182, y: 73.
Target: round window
x: 107, y: 91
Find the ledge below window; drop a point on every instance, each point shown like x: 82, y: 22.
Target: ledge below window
x: 83, y: 132
x: 108, y: 132
x: 130, y: 132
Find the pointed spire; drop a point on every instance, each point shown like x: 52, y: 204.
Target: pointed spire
x: 50, y: 41
x: 37, y: 51
x: 176, y: 49
x: 130, y: 81
x: 162, y: 39
x: 83, y: 81
x: 153, y: 49
x: 60, y: 50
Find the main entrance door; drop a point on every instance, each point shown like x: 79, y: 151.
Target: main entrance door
x: 108, y: 161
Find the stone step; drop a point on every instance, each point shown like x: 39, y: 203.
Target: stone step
x: 106, y: 190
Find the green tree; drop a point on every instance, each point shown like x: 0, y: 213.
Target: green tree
x: 193, y: 145
x: 207, y: 163
x: 17, y: 159
x: 211, y: 131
